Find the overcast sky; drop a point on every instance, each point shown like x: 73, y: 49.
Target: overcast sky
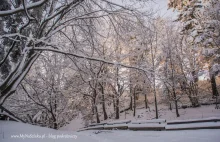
x: 159, y: 5
x: 162, y: 6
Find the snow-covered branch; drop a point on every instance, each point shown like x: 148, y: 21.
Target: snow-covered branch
x: 20, y: 9
x: 89, y: 58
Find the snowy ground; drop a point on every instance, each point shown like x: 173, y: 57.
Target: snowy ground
x: 145, y: 114
x: 18, y: 132
x: 188, y: 113
x: 159, y: 136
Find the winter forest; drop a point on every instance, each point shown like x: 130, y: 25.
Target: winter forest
x: 104, y: 60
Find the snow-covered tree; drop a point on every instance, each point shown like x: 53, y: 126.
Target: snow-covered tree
x: 39, y: 21
x: 201, y: 26
x: 200, y: 20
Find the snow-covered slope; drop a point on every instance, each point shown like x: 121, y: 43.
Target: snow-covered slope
x: 144, y: 114
x: 74, y: 125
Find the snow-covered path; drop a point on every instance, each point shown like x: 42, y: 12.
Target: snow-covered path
x: 9, y: 129
x: 158, y: 136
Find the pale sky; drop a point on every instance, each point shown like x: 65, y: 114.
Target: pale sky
x: 162, y: 6
x: 158, y: 5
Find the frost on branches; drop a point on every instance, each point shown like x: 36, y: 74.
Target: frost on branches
x: 28, y: 27
x: 201, y: 20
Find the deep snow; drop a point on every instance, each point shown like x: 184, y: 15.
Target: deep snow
x: 8, y: 129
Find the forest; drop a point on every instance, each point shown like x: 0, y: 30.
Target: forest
x: 101, y: 60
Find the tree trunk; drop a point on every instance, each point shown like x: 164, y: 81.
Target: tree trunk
x: 193, y: 95
x: 97, y: 114
x: 169, y: 94
x: 103, y: 108
x: 170, y: 106
x: 176, y: 105
x: 95, y: 107
x: 216, y: 105
x: 55, y: 126
x: 131, y: 99
x: 131, y: 103
x: 134, y: 103
x: 117, y: 109
x: 103, y: 103
x: 55, y: 111
x: 194, y: 101
x: 145, y: 100
x: 114, y: 102
x: 155, y: 100
x: 118, y: 95
x: 213, y: 84
x: 177, y: 112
